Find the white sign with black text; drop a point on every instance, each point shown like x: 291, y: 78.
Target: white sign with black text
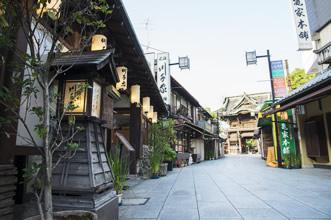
x: 301, y: 24
x: 163, y: 76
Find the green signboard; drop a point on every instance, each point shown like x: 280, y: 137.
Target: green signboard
x: 287, y: 143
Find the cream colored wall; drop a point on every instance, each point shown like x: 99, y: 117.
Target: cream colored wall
x: 325, y: 36
x: 199, y: 147
x: 312, y: 109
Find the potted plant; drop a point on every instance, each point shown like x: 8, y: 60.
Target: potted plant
x: 161, y: 136
x: 169, y: 157
x: 155, y: 159
x: 119, y: 170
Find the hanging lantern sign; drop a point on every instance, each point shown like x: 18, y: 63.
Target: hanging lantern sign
x: 75, y: 95
x: 146, y: 104
x: 150, y: 113
x: 154, y: 120
x: 99, y: 42
x: 122, y: 73
x: 135, y: 94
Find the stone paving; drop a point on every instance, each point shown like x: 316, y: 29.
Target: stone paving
x: 235, y: 187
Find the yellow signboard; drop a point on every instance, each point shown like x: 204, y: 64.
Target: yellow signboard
x: 73, y: 95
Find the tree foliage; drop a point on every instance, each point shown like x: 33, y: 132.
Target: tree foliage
x: 299, y: 77
x: 47, y: 27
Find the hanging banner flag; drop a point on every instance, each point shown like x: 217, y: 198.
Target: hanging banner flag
x: 278, y: 78
x: 163, y: 76
x: 122, y: 73
x: 301, y: 24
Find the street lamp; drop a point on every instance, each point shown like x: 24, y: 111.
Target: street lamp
x: 251, y: 58
x: 183, y: 63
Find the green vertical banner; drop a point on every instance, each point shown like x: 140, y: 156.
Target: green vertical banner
x: 287, y: 144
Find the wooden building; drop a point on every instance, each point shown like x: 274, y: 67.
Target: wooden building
x: 312, y: 102
x: 264, y: 135
x: 106, y: 112
x: 240, y: 112
x: 196, y: 131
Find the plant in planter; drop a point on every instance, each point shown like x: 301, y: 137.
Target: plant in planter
x: 169, y: 156
x: 155, y: 164
x: 119, y: 170
x: 162, y: 136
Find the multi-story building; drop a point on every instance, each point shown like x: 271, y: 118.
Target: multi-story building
x: 84, y: 181
x: 240, y: 112
x: 196, y: 130
x: 312, y: 101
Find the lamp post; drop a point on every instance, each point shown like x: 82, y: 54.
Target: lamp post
x: 183, y: 63
x: 251, y: 58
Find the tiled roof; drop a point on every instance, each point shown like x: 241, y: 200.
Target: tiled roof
x: 85, y: 58
x: 232, y: 104
x: 318, y: 80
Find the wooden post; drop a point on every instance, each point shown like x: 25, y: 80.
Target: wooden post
x: 228, y: 142
x: 135, y: 136
x: 239, y: 139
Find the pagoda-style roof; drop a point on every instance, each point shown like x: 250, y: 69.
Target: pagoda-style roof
x: 243, y: 104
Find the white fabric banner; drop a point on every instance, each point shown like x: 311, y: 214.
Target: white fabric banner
x: 163, y: 76
x: 301, y: 24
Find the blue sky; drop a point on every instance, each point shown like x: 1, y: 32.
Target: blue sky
x: 215, y: 35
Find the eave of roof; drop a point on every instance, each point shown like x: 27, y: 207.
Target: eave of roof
x: 315, y: 83
x: 132, y: 55
x: 97, y: 58
x: 176, y: 86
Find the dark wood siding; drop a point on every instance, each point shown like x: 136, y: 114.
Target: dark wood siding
x: 315, y: 137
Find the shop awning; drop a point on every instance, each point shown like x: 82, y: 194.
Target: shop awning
x: 195, y: 128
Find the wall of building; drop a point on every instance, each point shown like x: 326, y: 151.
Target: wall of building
x: 314, y: 109
x: 198, y: 147
x: 319, y: 13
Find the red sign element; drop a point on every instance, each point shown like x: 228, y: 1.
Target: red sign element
x: 279, y: 87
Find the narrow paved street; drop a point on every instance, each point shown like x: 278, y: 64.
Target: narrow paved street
x: 236, y: 187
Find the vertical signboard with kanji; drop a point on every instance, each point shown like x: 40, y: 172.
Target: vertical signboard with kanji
x: 278, y: 78
x: 301, y: 24
x: 287, y: 143
x: 163, y: 76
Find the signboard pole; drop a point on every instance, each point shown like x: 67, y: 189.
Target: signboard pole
x: 279, y: 157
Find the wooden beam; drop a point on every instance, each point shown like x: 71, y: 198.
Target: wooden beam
x: 135, y: 136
